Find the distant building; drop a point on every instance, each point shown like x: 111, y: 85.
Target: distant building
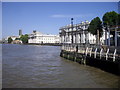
x: 13, y: 37
x: 4, y: 40
x: 40, y: 38
x: 17, y: 42
x: 20, y: 32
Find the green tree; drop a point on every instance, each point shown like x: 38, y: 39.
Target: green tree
x: 24, y: 38
x: 95, y: 28
x: 10, y: 40
x: 110, y: 19
x: 118, y: 19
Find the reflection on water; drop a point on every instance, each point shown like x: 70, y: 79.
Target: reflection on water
x: 34, y: 66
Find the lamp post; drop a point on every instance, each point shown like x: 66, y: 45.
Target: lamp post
x: 76, y: 37
x: 87, y: 37
x: 72, y: 29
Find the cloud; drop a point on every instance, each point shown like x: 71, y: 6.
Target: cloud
x: 69, y: 16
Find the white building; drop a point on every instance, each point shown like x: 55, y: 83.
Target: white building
x: 78, y: 33
x: 38, y: 37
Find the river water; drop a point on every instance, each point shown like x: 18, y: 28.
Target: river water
x: 35, y: 66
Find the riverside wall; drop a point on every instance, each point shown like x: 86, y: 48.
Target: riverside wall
x: 101, y: 63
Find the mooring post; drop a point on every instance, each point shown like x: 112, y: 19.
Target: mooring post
x: 84, y: 60
x: 90, y: 52
x: 114, y: 55
x: 86, y: 51
x: 107, y: 54
x: 101, y: 53
x: 95, y: 53
x: 68, y: 56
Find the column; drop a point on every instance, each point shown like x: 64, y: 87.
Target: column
x: 77, y: 41
x: 83, y: 37
x: 108, y: 37
x: 75, y: 38
x: 70, y: 38
x: 64, y: 39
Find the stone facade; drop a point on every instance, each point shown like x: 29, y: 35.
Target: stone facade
x: 38, y: 37
x: 78, y: 33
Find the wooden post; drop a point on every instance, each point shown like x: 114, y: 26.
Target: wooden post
x: 86, y: 51
x: 90, y: 52
x: 101, y: 53
x: 114, y: 55
x: 107, y: 54
x: 95, y: 53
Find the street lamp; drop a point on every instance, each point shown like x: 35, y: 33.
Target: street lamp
x: 76, y: 38
x: 72, y: 28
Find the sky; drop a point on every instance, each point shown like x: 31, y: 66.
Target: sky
x: 48, y: 17
x: 0, y: 20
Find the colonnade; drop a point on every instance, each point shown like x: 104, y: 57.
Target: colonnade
x: 74, y: 33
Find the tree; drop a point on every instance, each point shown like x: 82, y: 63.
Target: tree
x: 17, y: 39
x: 24, y: 38
x: 118, y: 19
x: 10, y: 40
x: 110, y: 19
x: 95, y: 28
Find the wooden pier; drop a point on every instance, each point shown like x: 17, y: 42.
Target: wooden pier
x: 106, y: 58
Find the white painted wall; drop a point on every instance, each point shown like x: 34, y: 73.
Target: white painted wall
x: 44, y: 38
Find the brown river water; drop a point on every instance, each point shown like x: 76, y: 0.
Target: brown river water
x: 35, y: 66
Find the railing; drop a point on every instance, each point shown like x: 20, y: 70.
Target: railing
x: 95, y: 51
